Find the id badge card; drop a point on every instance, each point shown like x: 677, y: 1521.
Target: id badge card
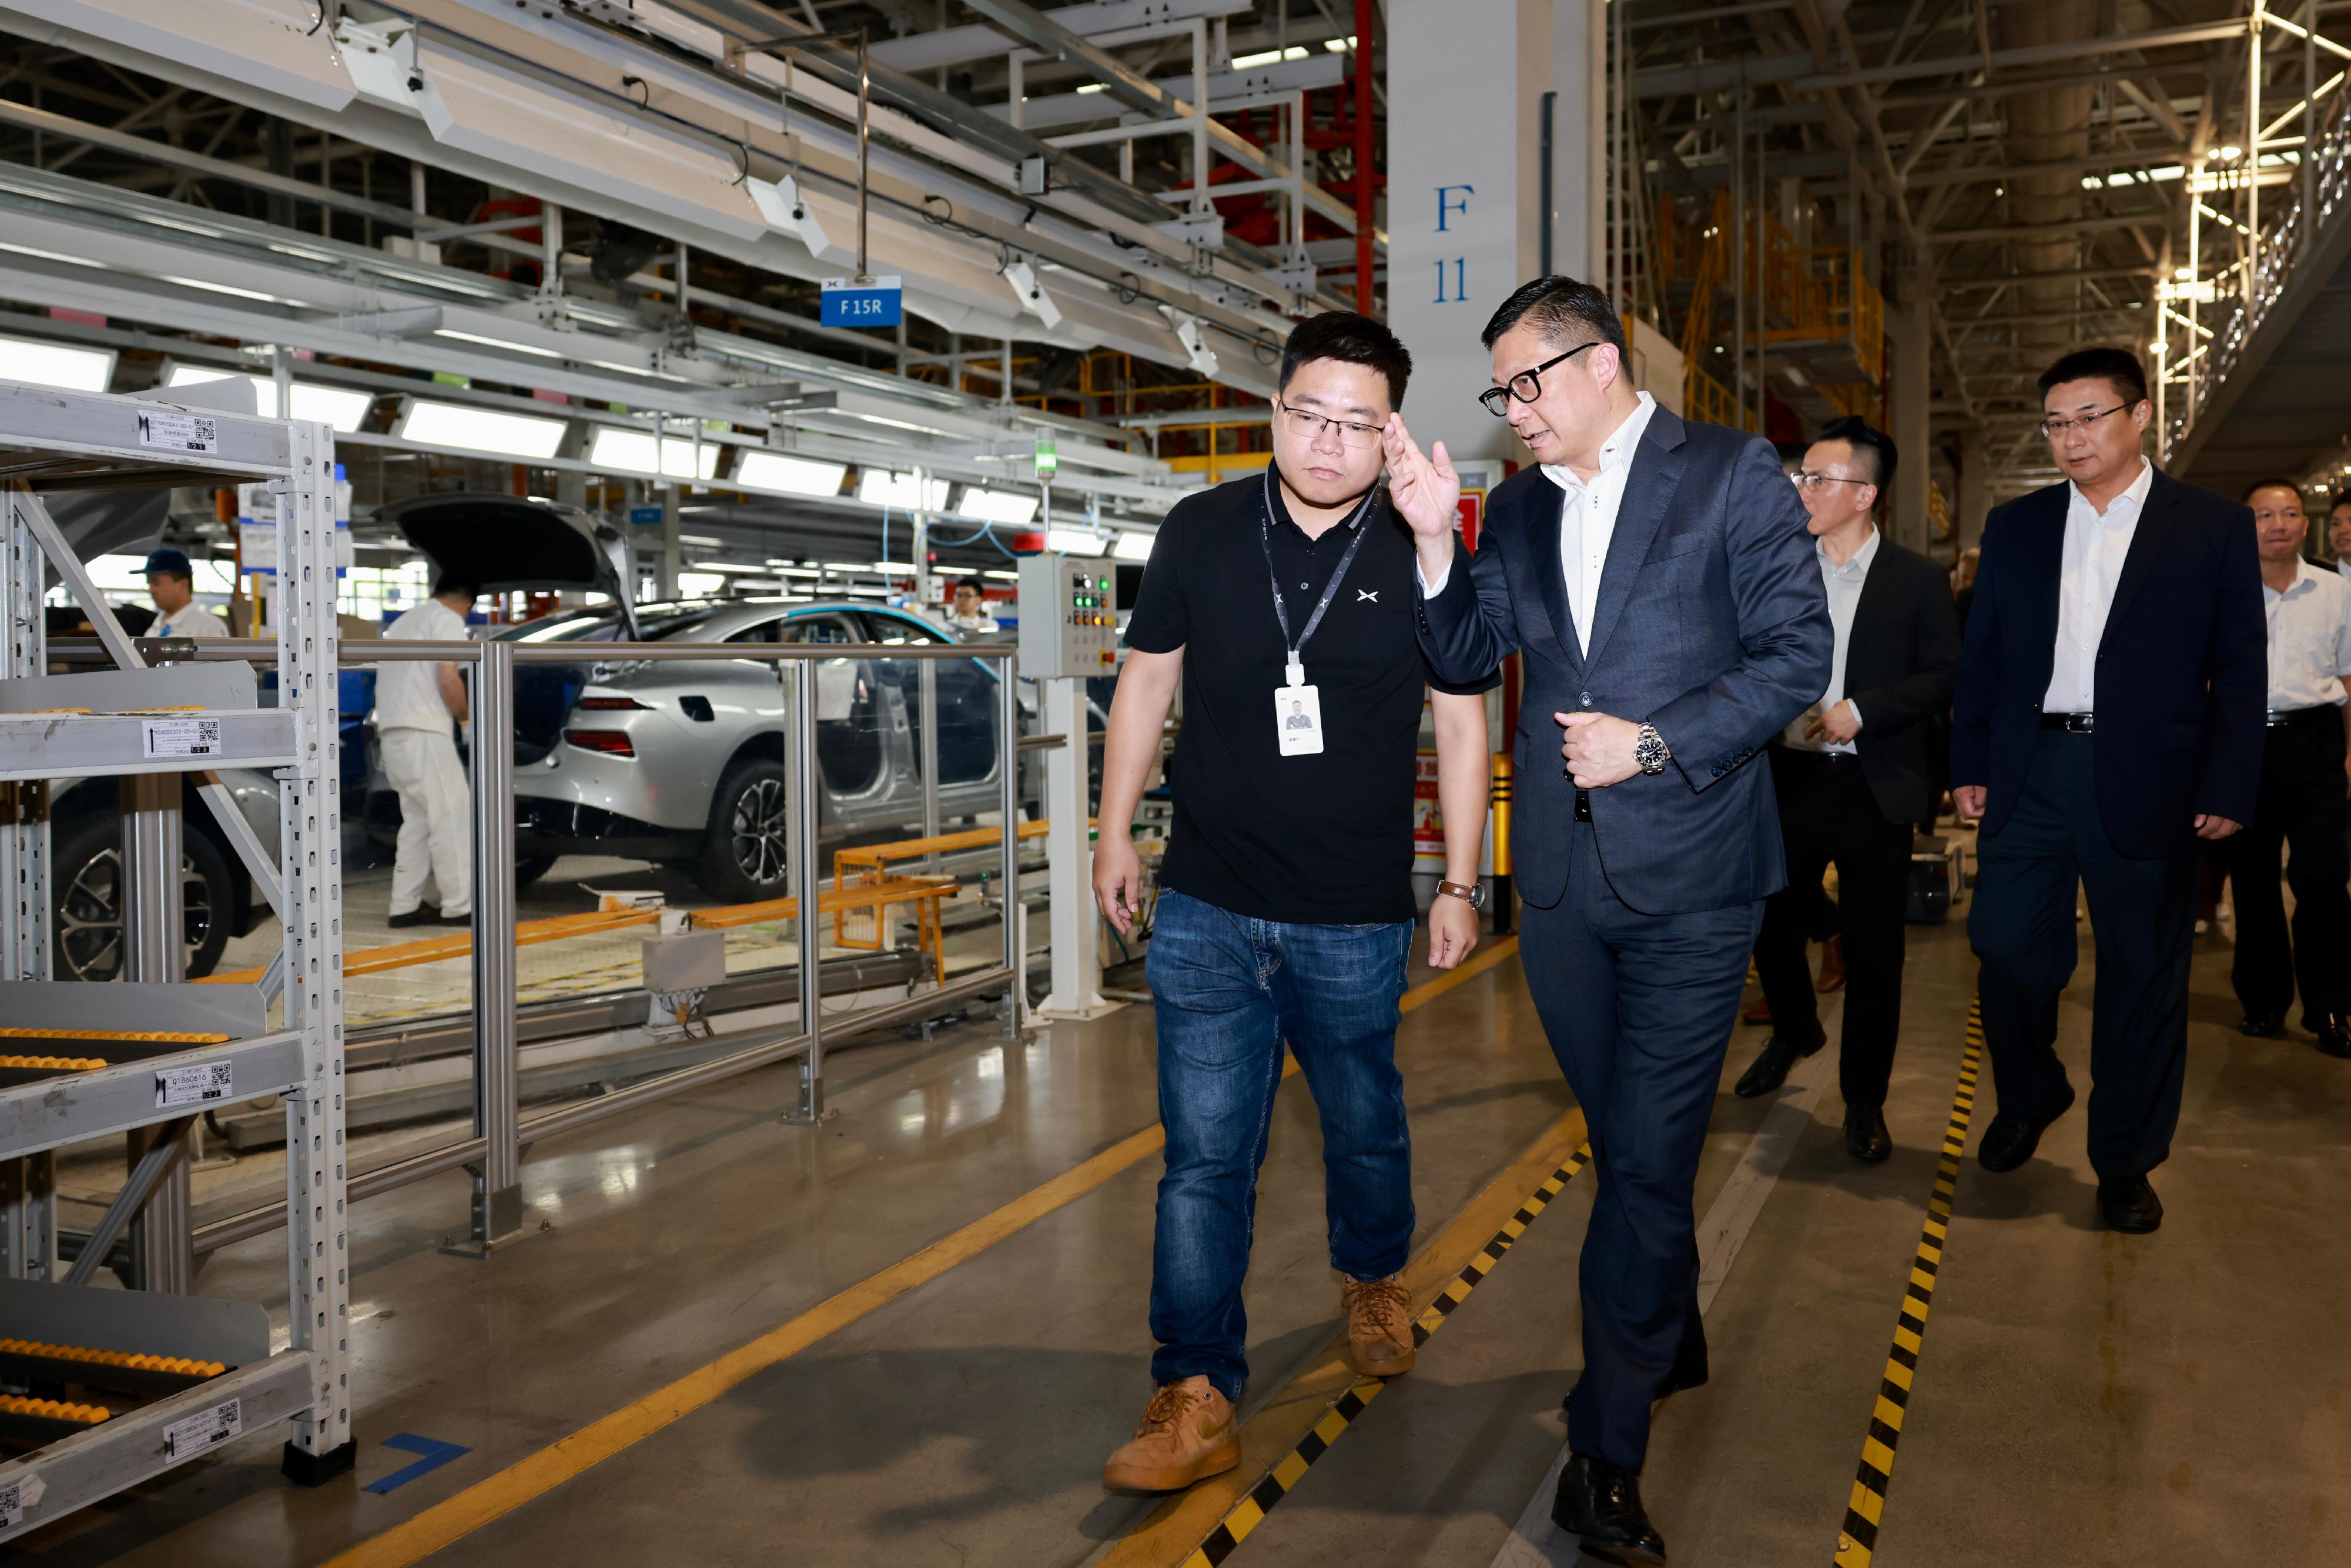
x: 1298, y: 720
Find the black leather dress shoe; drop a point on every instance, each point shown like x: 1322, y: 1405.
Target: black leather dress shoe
x: 2262, y: 1026
x: 423, y: 915
x: 2130, y: 1206
x: 1866, y: 1137
x: 1600, y: 1504
x: 1771, y: 1065
x: 2011, y: 1139
x: 2334, y: 1034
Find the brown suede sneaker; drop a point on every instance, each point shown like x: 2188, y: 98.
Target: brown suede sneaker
x: 1187, y: 1434
x: 1379, y: 1326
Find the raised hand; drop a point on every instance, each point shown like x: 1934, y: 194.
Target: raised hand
x: 1425, y: 488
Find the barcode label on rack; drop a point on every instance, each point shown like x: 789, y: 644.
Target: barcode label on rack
x: 197, y: 1085
x: 215, y: 1427
x: 182, y: 736
x: 178, y: 432
x: 12, y: 1505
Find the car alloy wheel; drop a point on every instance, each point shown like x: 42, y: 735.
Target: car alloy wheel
x: 760, y: 833
x: 89, y: 917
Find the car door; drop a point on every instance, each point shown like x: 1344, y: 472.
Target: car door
x: 967, y: 716
x: 853, y: 739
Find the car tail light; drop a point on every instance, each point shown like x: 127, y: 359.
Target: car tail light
x: 608, y: 704
x: 611, y: 742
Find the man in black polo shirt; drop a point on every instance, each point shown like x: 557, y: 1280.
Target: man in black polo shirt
x: 1286, y: 906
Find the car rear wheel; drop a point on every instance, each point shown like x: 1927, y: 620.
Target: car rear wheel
x: 87, y: 925
x: 745, y: 858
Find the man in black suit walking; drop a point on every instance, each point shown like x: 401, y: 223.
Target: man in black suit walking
x: 2109, y: 715
x: 1656, y: 578
x: 1852, y: 777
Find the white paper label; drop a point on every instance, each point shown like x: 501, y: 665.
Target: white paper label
x: 196, y: 1085
x: 12, y: 1505
x: 215, y: 1427
x: 182, y: 736
x: 168, y: 427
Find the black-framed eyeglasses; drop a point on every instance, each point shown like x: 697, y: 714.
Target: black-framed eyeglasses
x: 2056, y: 429
x: 1804, y: 479
x: 1525, y: 386
x: 1306, y: 422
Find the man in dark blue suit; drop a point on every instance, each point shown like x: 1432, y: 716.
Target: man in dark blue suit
x: 2109, y: 714
x: 1658, y: 580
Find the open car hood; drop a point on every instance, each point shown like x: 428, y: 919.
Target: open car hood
x: 508, y: 544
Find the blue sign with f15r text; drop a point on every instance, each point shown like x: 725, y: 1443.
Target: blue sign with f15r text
x: 862, y: 301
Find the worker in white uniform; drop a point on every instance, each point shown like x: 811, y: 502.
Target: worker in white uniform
x: 417, y: 706
x: 171, y: 584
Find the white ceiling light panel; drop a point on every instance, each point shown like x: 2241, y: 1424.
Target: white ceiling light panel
x: 632, y: 452
x: 466, y: 429
x: 787, y: 476
x: 880, y: 487
x: 66, y: 365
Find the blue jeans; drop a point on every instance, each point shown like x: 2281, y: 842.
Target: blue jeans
x: 1227, y: 991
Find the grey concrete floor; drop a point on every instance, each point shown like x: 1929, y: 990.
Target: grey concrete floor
x: 2082, y: 1397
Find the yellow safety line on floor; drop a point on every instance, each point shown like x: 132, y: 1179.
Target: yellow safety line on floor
x: 1272, y: 1439
x: 1249, y: 1512
x: 1858, y: 1541
x: 532, y: 1477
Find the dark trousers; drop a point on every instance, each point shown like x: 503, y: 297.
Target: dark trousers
x: 1639, y: 1010
x: 2301, y: 805
x: 2143, y: 915
x: 1828, y: 815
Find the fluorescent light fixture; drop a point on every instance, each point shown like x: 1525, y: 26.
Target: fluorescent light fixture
x: 632, y: 452
x: 700, y: 539
x: 699, y: 584
x: 56, y: 364
x: 1074, y: 541
x: 1090, y: 86
x: 893, y: 565
x: 787, y: 476
x: 338, y: 406
x: 854, y: 567
x: 1136, y: 547
x: 796, y: 571
x: 997, y: 506
x: 495, y: 343
x: 1002, y: 576
x: 469, y: 429
x: 222, y: 288
x: 728, y: 566
x: 880, y: 487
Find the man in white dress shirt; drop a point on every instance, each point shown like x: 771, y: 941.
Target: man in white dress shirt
x: 2338, y: 533
x: 1852, y: 775
x: 2305, y: 774
x: 418, y: 705
x: 2108, y: 716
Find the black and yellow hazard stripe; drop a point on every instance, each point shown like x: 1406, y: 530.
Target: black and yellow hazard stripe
x: 1858, y: 1541
x: 1251, y: 1511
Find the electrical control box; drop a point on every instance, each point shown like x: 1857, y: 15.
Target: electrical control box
x: 1068, y: 616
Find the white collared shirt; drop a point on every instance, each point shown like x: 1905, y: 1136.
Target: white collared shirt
x: 1587, y: 516
x: 1843, y: 585
x: 2095, y: 548
x: 2310, y: 640
x: 1587, y: 519
x: 2343, y: 567
x: 190, y: 620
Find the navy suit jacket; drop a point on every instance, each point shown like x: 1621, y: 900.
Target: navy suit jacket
x: 1710, y: 623
x: 2182, y: 668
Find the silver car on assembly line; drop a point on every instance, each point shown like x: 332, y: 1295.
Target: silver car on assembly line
x: 683, y: 762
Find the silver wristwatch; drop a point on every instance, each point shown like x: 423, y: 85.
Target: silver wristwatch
x: 1650, y: 751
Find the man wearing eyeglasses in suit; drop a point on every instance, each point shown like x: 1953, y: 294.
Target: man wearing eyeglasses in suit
x: 1655, y: 578
x: 2108, y: 721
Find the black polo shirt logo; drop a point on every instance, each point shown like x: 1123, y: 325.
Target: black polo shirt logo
x: 1364, y: 593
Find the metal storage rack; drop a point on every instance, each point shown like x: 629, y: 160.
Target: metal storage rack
x: 204, y: 1366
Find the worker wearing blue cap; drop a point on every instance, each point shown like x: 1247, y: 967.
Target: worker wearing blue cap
x: 170, y: 582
